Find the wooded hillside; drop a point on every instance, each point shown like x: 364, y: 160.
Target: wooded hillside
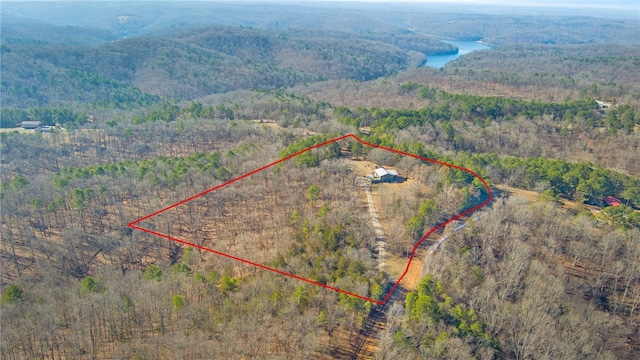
x: 189, y: 65
x: 144, y: 105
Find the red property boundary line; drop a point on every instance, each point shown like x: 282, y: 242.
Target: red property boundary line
x: 134, y: 224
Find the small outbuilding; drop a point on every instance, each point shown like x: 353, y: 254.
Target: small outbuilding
x: 30, y: 125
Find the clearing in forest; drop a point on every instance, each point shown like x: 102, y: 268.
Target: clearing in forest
x: 308, y: 223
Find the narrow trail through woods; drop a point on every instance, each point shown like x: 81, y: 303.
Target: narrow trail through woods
x: 380, y: 240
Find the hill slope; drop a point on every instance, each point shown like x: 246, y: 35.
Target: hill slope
x: 191, y: 64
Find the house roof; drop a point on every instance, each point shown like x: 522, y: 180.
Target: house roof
x: 380, y: 172
x: 612, y: 201
x: 30, y: 123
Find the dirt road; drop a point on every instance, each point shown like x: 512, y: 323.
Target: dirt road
x: 380, y: 240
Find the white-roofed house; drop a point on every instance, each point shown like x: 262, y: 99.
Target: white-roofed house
x: 383, y: 175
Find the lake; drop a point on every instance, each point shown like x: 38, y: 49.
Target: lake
x: 464, y: 47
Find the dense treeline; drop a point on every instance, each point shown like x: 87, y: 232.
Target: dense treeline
x: 622, y: 117
x: 473, y: 108
x: 415, y: 42
x: 312, y: 157
x: 434, y: 326
x: 578, y: 181
x: 13, y: 117
x: 268, y: 106
x: 172, y: 168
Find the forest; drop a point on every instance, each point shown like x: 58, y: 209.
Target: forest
x: 148, y: 105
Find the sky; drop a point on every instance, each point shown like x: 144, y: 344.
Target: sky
x: 627, y: 4
x: 633, y: 5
